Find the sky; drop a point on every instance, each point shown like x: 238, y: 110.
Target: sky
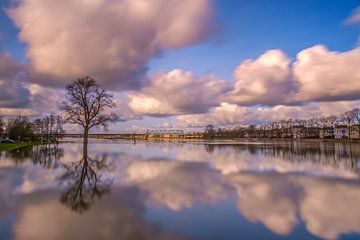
x: 184, y: 63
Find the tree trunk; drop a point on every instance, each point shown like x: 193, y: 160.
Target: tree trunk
x: 86, y: 135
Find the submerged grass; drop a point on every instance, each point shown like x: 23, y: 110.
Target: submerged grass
x: 12, y: 146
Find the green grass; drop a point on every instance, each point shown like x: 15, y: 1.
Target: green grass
x: 12, y: 146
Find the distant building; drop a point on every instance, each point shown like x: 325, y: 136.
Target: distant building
x: 298, y: 132
x: 327, y: 133
x: 341, y: 131
x: 355, y: 131
x: 165, y: 133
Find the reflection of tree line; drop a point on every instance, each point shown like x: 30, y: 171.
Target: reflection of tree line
x: 325, y: 154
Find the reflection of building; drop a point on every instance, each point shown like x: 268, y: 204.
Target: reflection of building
x: 327, y: 133
x: 165, y: 133
x: 341, y: 132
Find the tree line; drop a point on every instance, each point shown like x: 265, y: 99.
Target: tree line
x: 285, y: 128
x: 21, y: 128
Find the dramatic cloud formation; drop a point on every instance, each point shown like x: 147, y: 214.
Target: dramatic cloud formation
x: 318, y: 83
x: 228, y: 114
x: 110, y: 40
x: 178, y: 92
x: 13, y: 94
x: 325, y: 75
x: 266, y: 80
x: 317, y: 74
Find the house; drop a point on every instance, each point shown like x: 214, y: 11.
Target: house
x: 355, y: 131
x: 327, y: 133
x: 341, y: 131
x: 165, y: 133
x: 298, y: 132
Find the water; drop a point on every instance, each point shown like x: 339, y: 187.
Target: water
x: 175, y: 190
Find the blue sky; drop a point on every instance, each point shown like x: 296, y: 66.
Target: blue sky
x: 245, y: 30
x: 249, y: 28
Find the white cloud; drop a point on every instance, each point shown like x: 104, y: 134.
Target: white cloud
x: 228, y: 114
x: 327, y: 75
x: 266, y: 80
x: 178, y: 92
x: 317, y: 74
x: 106, y: 39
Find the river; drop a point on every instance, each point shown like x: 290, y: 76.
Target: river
x: 181, y: 190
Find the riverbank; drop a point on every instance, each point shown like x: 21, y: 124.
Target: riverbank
x: 13, y: 146
x: 242, y: 141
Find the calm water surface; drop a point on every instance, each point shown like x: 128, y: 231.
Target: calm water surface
x: 173, y: 190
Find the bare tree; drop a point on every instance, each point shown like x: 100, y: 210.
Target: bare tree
x: 348, y: 117
x: 327, y: 122
x: 88, y: 105
x: 356, y: 114
x: 2, y: 126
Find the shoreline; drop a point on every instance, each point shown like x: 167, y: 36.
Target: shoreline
x: 13, y: 146
x: 229, y: 141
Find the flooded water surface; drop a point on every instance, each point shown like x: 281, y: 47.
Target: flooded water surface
x: 178, y: 190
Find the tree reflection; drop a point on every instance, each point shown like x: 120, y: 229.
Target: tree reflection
x: 84, y: 181
x: 20, y: 155
x: 47, y: 155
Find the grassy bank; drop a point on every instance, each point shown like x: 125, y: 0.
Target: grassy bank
x: 12, y: 146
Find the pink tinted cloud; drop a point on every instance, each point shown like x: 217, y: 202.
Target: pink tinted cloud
x: 110, y: 40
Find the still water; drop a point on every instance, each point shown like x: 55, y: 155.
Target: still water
x: 178, y: 190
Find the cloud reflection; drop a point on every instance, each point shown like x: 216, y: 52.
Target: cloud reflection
x: 327, y: 206
x: 177, y: 185
x: 276, y: 186
x: 41, y: 216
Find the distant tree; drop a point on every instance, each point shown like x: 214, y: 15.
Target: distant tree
x: 2, y: 126
x: 50, y: 127
x: 209, y: 131
x: 20, y: 128
x: 356, y: 114
x: 327, y: 121
x: 88, y: 105
x: 348, y: 116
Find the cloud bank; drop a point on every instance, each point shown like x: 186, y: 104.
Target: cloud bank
x: 110, y: 40
x: 178, y: 92
x: 113, y: 41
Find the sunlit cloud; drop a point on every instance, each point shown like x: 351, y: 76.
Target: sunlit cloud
x: 229, y: 114
x: 178, y: 92
x: 109, y: 40
x: 266, y: 80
